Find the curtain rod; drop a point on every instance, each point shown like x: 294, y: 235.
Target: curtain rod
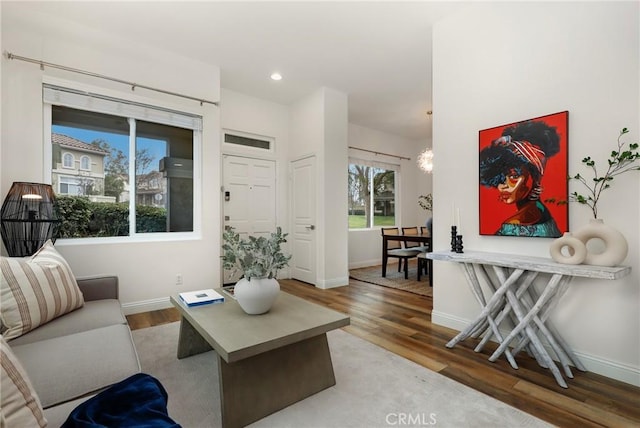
x: 379, y: 153
x: 101, y: 76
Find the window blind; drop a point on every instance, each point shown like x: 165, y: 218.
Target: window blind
x: 374, y: 164
x: 103, y: 104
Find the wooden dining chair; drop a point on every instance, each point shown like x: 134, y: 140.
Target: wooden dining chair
x: 425, y: 265
x: 414, y: 245
x: 396, y: 250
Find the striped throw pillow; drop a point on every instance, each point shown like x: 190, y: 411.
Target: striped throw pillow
x: 20, y: 405
x: 35, y: 290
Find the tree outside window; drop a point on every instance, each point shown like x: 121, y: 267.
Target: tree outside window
x: 372, y: 195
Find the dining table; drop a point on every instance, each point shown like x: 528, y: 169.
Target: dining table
x: 423, y: 238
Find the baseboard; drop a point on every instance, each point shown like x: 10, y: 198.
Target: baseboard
x: 332, y: 283
x: 369, y: 263
x: 611, y: 369
x: 146, y: 306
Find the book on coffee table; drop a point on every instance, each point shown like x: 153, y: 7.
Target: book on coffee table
x: 201, y: 297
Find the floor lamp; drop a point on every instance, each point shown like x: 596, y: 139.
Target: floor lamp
x: 28, y: 218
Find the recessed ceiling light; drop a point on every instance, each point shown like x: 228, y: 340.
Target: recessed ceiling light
x: 276, y: 76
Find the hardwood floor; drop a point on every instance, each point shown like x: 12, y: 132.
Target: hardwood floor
x: 401, y: 323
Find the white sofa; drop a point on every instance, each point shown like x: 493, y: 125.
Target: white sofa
x: 63, y: 339
x: 80, y: 353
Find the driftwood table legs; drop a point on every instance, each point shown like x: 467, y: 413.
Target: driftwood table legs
x: 509, y: 301
x: 514, y: 312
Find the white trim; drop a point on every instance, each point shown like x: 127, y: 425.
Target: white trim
x: 245, y: 151
x: 133, y: 180
x: 374, y: 163
x: 146, y: 305
x: 302, y: 157
x: 189, y: 108
x: 333, y: 283
x: 371, y: 263
x: 612, y: 369
x: 47, y: 149
x: 70, y: 96
x: 140, y: 237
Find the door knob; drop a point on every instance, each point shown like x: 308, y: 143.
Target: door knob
x: 311, y: 227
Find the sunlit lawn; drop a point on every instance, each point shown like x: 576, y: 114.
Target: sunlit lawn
x: 359, y: 221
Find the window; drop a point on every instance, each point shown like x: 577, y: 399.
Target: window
x: 372, y: 194
x: 85, y: 163
x: 69, y: 186
x: 68, y: 160
x: 240, y: 140
x: 136, y: 169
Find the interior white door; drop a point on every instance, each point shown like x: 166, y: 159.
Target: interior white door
x: 249, y: 190
x: 303, y: 239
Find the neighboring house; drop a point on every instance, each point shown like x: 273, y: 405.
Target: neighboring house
x: 78, y: 168
x: 151, y: 189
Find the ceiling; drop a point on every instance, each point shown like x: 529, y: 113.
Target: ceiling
x: 378, y: 53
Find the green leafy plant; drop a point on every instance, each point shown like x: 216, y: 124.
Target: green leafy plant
x: 619, y: 162
x: 426, y: 202
x: 81, y: 218
x: 259, y: 257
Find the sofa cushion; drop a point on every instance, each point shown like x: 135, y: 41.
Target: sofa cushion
x: 34, y: 290
x: 68, y: 367
x: 57, y: 415
x: 19, y: 403
x: 94, y: 314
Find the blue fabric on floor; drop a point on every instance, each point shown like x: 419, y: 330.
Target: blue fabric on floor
x: 138, y: 401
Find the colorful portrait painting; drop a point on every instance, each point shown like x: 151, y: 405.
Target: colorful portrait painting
x: 522, y: 165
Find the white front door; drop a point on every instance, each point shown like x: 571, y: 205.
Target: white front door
x: 303, y: 236
x: 249, y: 190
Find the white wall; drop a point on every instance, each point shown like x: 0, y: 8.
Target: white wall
x: 147, y: 271
x: 493, y: 67
x: 319, y: 128
x: 334, y: 200
x: 365, y: 246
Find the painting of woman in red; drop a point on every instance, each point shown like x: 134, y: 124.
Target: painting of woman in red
x: 513, y: 167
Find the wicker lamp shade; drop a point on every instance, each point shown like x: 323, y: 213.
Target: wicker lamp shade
x: 28, y: 218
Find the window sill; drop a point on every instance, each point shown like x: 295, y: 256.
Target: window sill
x: 155, y: 237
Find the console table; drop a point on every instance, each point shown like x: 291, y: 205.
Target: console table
x: 510, y: 296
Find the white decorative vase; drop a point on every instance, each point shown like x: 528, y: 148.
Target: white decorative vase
x: 257, y: 295
x: 615, y: 245
x: 576, y: 248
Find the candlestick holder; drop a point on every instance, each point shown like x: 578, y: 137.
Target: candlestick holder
x: 454, y: 232
x: 459, y: 246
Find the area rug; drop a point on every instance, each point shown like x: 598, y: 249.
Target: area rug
x: 374, y: 388
x: 394, y: 279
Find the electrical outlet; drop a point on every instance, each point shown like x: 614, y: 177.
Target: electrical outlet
x: 179, y: 279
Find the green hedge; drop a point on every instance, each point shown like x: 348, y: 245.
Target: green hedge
x: 81, y: 218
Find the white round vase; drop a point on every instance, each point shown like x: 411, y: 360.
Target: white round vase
x: 615, y: 244
x: 576, y: 249
x: 256, y: 296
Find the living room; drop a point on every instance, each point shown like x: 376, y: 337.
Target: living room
x: 490, y: 66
